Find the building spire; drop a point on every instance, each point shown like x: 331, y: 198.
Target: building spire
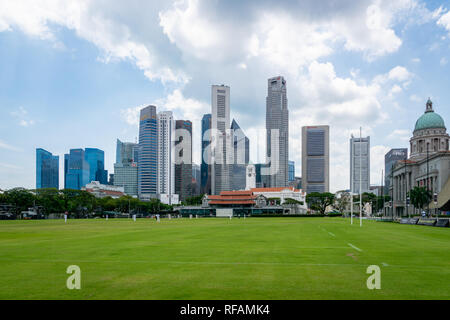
x: 429, y: 107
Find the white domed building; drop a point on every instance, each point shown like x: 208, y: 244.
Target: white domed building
x: 427, y: 166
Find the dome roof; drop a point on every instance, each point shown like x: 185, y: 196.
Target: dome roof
x: 430, y: 120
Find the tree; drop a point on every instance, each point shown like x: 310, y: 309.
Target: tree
x: 50, y: 199
x: 21, y: 198
x: 292, y: 201
x: 320, y: 201
x: 420, y: 196
x: 342, y: 201
x: 192, y: 201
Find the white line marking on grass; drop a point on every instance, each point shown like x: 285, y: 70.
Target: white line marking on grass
x: 356, y: 248
x: 332, y: 234
x: 385, y: 264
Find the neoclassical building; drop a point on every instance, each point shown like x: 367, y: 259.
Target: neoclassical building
x: 427, y: 166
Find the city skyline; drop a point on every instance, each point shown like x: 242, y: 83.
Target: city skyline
x: 69, y: 89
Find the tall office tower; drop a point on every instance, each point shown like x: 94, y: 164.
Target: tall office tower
x: 148, y: 154
x: 250, y: 177
x: 221, y: 139
x: 277, y: 127
x: 205, y: 168
x: 196, y: 176
x: 96, y: 159
x: 291, y: 176
x: 166, y: 158
x: 241, y: 156
x: 316, y: 159
x: 77, y: 172
x: 359, y: 164
x: 183, y: 154
x: 390, y: 159
x: 262, y: 180
x: 125, y: 168
x: 47, y: 169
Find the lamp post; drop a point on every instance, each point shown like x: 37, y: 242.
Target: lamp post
x: 428, y: 173
x: 360, y: 176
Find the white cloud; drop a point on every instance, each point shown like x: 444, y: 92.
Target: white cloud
x: 377, y: 154
x: 4, y: 145
x: 400, y: 135
x: 22, y: 116
x: 443, y: 61
x: 444, y: 20
x: 395, y: 89
x: 9, y: 166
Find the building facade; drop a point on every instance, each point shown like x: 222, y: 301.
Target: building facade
x: 277, y: 131
x: 428, y: 165
x: 166, y: 157
x: 101, y: 190
x: 96, y: 160
x: 205, y: 167
x: 291, y: 175
x: 47, y: 169
x: 359, y: 164
x: 220, y: 139
x: 241, y: 157
x: 148, y: 153
x: 126, y: 168
x: 183, y: 152
x: 316, y: 159
x: 76, y: 169
x: 390, y: 159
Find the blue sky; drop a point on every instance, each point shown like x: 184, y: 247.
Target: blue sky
x: 74, y: 74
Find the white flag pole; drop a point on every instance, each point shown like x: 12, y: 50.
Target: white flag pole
x: 360, y: 176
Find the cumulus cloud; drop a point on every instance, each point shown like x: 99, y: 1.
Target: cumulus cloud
x: 22, y: 116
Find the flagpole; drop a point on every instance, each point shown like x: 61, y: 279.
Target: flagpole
x: 351, y: 181
x: 360, y: 176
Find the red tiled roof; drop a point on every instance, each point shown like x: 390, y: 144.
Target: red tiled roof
x: 233, y: 202
x: 279, y: 189
x: 236, y: 193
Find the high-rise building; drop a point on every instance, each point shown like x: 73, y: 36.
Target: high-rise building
x: 47, y: 169
x: 183, y: 153
x: 262, y: 176
x: 277, y: 127
x: 76, y: 168
x: 241, y: 156
x: 96, y: 160
x: 359, y: 164
x: 126, y: 168
x: 148, y: 153
x: 196, y: 174
x: 166, y: 158
x: 316, y: 159
x: 390, y: 159
x: 291, y: 176
x: 205, y: 184
x: 221, y: 139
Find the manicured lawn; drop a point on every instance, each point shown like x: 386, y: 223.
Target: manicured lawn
x: 213, y: 258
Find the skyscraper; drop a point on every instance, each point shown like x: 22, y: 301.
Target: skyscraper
x: 241, y: 156
x: 277, y: 127
x: 205, y: 184
x: 96, y: 159
x: 359, y: 163
x: 390, y: 159
x: 77, y: 172
x: 166, y: 157
x: 316, y: 159
x: 183, y: 167
x: 291, y: 171
x: 221, y: 139
x: 47, y: 169
x: 148, y: 153
x: 125, y: 168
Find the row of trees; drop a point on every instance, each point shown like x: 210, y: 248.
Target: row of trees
x: 77, y: 202
x: 419, y: 198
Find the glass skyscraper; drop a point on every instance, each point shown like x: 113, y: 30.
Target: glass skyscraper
x: 126, y: 167
x: 47, y: 169
x: 359, y: 164
x: 205, y: 168
x: 241, y: 155
x: 148, y: 153
x: 291, y: 171
x: 96, y: 160
x: 183, y: 170
x: 76, y: 169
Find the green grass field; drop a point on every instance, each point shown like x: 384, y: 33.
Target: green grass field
x: 255, y: 258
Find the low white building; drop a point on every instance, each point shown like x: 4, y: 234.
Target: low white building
x: 169, y: 198
x: 283, y: 193
x: 102, y: 190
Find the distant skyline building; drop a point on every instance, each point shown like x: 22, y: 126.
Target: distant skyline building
x: 316, y: 159
x: 148, y: 153
x: 291, y: 176
x: 96, y: 160
x: 196, y: 177
x: 220, y: 124
x: 241, y: 157
x: 277, y: 127
x: 183, y: 150
x: 47, y: 169
x: 76, y: 169
x: 166, y: 158
x: 125, y: 168
x: 390, y: 159
x: 359, y: 164
x: 205, y: 167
